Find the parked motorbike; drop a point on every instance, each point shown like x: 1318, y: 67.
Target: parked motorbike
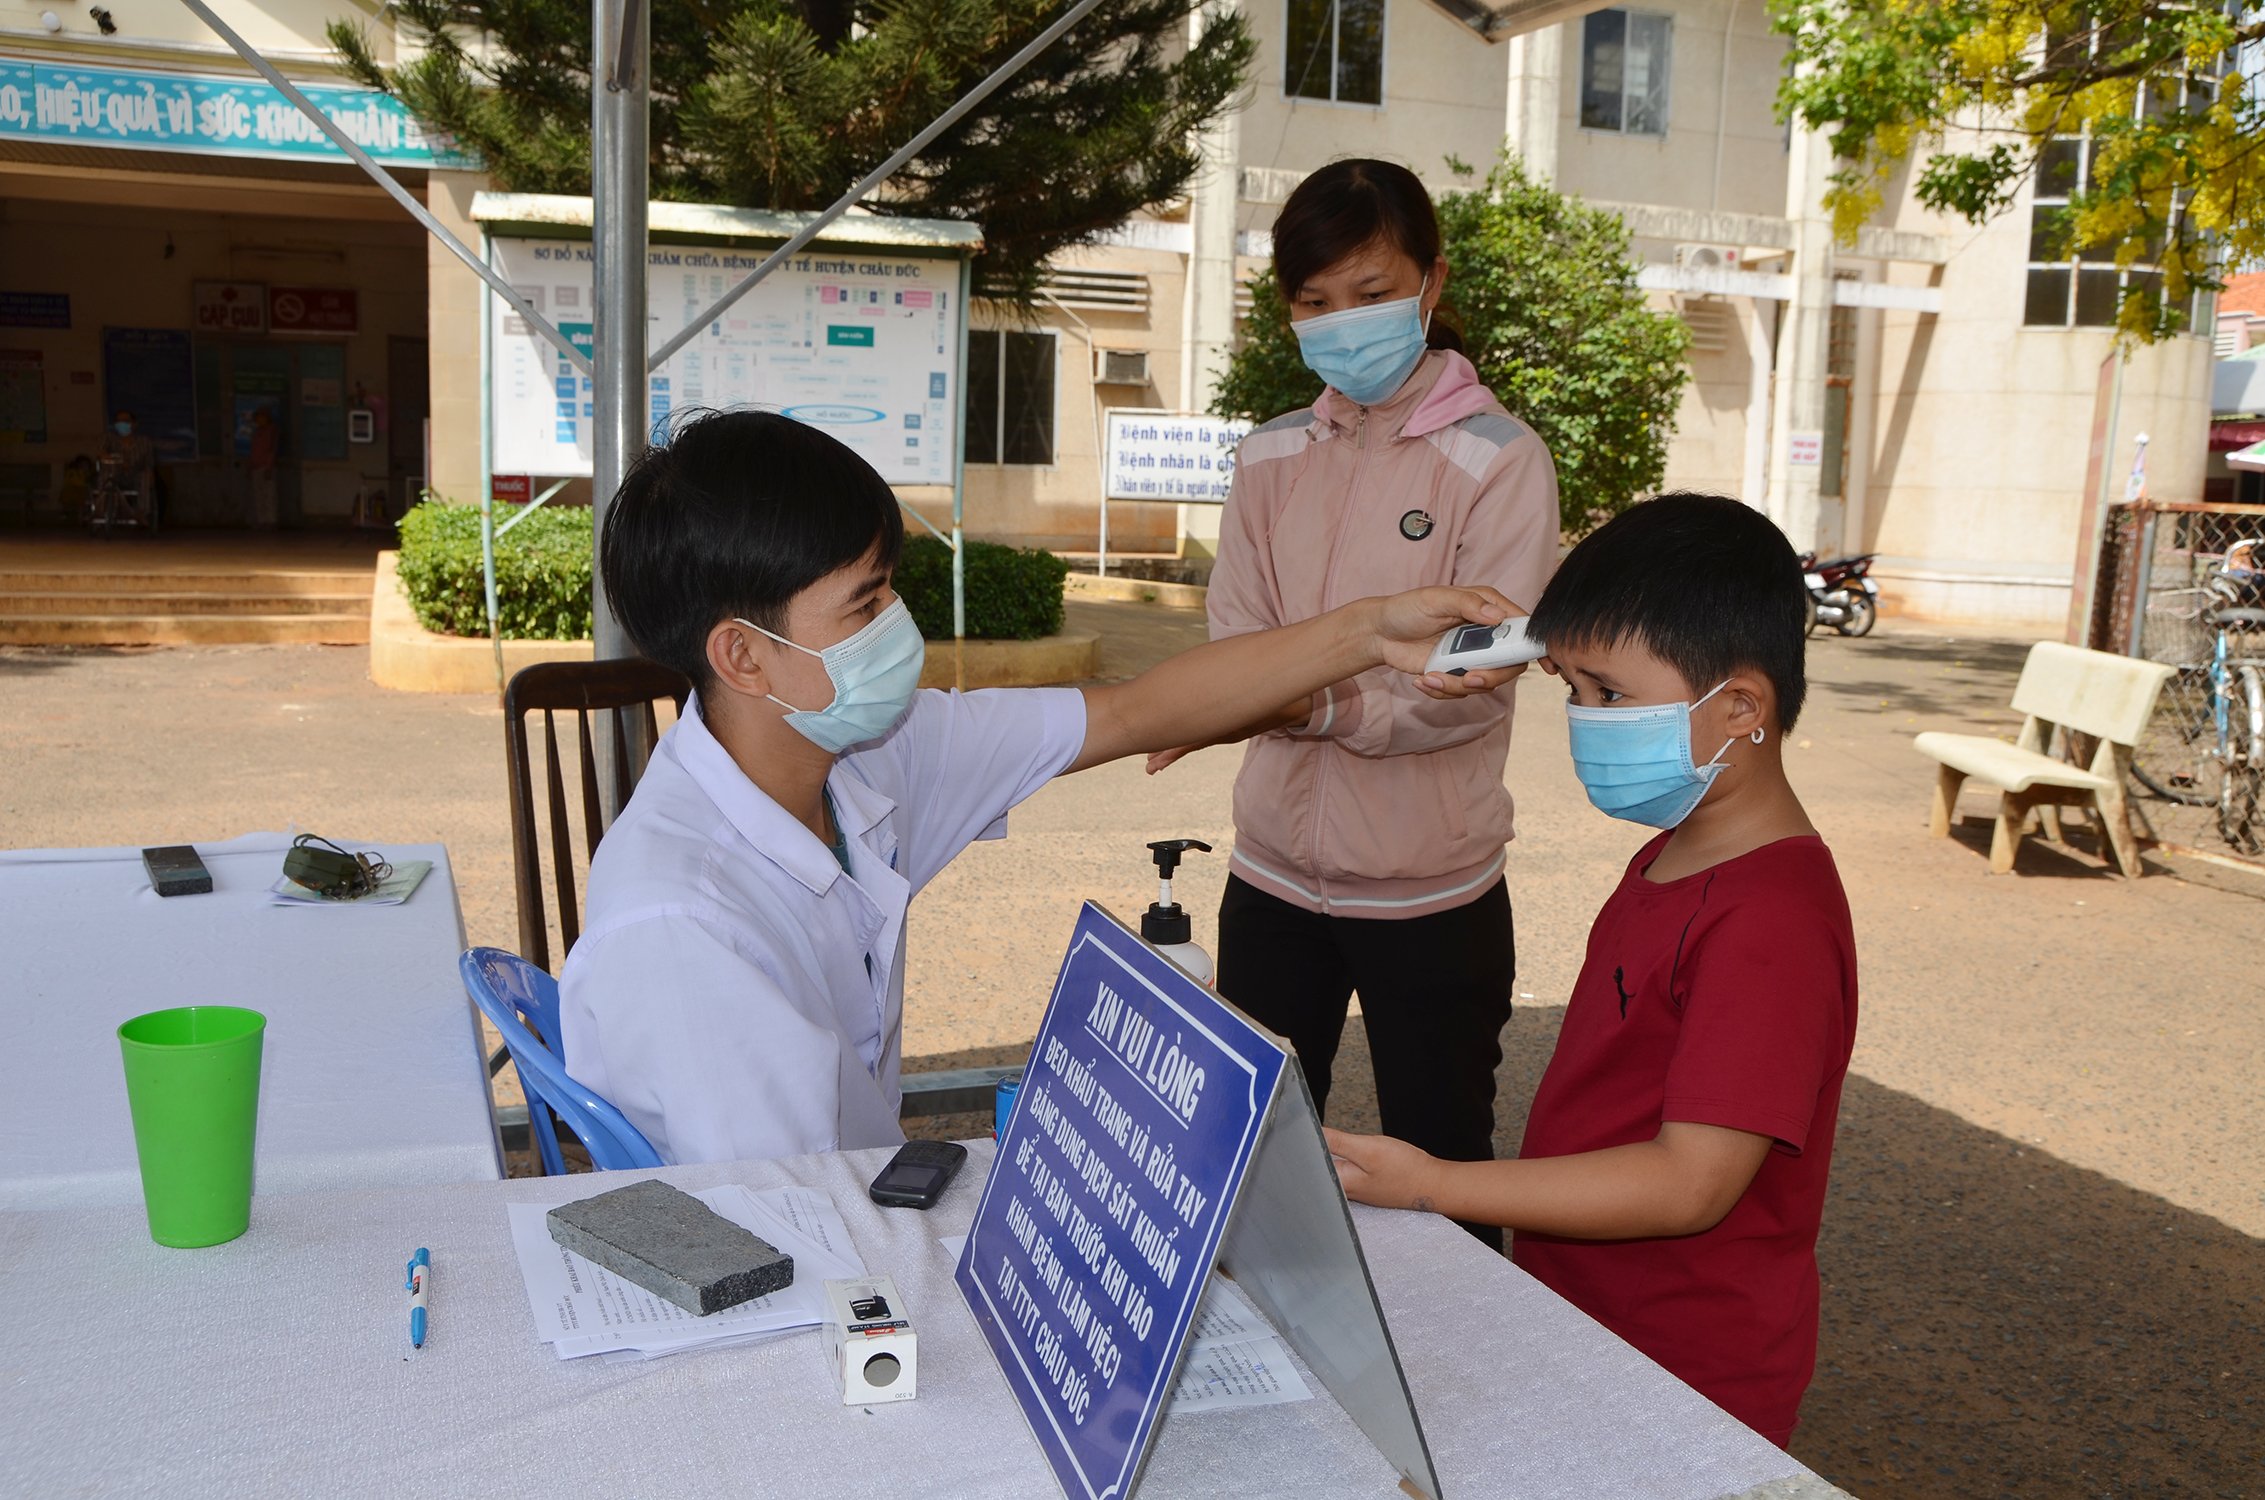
x: 1841, y: 594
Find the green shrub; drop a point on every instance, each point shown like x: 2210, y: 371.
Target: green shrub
x: 542, y: 571
x: 1013, y: 594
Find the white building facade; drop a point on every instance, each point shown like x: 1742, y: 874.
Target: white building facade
x: 1932, y: 393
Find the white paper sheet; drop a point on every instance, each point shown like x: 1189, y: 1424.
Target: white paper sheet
x: 1234, y: 1356
x: 1237, y: 1372
x: 581, y: 1309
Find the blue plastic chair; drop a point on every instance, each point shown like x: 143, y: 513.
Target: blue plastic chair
x: 507, y: 988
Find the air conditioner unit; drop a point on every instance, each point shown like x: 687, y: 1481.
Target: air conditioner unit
x: 1707, y: 257
x: 1120, y: 367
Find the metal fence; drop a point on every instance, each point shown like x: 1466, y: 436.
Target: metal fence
x: 2184, y: 584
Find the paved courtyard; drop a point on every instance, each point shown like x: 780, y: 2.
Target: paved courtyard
x: 2045, y: 1252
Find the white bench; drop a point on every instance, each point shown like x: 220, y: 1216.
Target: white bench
x: 2093, y: 693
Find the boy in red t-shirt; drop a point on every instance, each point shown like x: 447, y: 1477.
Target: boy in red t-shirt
x: 1672, y: 1176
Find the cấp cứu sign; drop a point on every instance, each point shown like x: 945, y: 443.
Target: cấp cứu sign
x: 1136, y: 1123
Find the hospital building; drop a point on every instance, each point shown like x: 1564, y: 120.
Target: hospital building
x: 176, y: 240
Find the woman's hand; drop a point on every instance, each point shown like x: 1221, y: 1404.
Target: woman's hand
x: 1387, y: 1173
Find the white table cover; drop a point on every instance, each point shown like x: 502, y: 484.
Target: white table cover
x: 371, y: 1074
x: 279, y: 1365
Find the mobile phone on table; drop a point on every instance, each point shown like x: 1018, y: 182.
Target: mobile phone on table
x: 175, y: 870
x: 918, y: 1174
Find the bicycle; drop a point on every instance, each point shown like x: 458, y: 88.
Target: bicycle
x: 2205, y: 747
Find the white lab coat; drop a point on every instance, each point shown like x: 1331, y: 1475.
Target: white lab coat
x: 733, y: 992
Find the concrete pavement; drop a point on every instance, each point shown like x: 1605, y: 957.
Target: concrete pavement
x: 2043, y: 1258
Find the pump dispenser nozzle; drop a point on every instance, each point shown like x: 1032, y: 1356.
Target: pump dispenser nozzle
x: 1165, y: 922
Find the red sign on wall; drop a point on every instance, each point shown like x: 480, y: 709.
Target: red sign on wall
x: 312, y: 309
x: 512, y: 489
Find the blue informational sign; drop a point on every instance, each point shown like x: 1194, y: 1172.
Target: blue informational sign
x: 67, y: 103
x: 35, y: 310
x: 150, y: 373
x: 1136, y: 1122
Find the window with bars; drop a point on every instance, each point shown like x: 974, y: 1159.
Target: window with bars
x: 1010, y: 396
x: 1334, y: 51
x: 2072, y: 288
x: 1625, y: 57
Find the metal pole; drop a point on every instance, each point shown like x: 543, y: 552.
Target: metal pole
x: 618, y: 189
x: 533, y: 505
x: 959, y: 480
x: 874, y: 178
x: 384, y: 179
x: 487, y: 483
x: 620, y: 81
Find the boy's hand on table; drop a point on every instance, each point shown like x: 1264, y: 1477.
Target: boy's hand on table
x: 1409, y: 625
x: 1379, y: 1170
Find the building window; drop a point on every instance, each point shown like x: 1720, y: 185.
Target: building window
x: 1010, y: 397
x: 2069, y: 288
x: 1625, y: 56
x: 1335, y: 51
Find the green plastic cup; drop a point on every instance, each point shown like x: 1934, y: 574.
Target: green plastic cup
x: 193, y: 1082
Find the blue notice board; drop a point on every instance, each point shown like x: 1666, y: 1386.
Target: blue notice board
x: 150, y: 372
x: 1138, y: 1116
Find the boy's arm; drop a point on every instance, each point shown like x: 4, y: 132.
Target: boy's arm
x: 1218, y: 691
x: 1681, y: 1182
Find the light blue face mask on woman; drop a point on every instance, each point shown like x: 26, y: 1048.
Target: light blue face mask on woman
x: 874, y: 674
x: 1366, y: 353
x: 1636, y: 762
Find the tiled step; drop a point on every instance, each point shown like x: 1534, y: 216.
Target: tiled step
x: 216, y: 581
x: 185, y: 630
x: 178, y: 602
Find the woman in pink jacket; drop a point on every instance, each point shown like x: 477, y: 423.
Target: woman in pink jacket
x: 1370, y: 829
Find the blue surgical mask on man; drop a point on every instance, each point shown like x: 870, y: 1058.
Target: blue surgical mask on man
x: 1636, y: 763
x: 874, y: 674
x: 1366, y: 353
x: 123, y: 429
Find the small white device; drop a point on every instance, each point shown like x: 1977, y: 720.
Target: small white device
x: 872, y: 1341
x: 1476, y: 648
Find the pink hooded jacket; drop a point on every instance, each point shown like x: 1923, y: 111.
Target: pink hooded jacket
x: 1386, y: 803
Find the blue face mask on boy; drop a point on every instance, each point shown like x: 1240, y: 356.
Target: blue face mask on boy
x: 874, y: 674
x: 1366, y: 353
x: 1635, y: 763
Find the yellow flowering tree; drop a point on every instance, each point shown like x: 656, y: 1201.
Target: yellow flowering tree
x: 1983, y: 89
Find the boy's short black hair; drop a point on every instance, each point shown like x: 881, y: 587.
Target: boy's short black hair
x: 731, y: 518
x: 1705, y: 584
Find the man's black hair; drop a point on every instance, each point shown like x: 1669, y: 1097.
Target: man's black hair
x: 731, y: 518
x: 1705, y: 584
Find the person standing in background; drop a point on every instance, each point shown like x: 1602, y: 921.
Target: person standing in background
x: 1371, y: 821
x: 265, y: 442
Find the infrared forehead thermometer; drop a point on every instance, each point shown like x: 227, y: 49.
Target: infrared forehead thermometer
x: 1476, y: 648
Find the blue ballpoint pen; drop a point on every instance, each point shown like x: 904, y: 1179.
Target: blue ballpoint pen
x: 420, y: 1268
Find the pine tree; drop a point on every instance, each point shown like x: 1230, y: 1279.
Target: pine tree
x: 775, y: 104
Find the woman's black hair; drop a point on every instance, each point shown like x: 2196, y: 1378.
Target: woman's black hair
x: 731, y: 518
x: 1348, y: 206
x: 1704, y: 583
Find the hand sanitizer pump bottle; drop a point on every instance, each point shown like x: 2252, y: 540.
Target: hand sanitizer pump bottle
x: 1165, y: 924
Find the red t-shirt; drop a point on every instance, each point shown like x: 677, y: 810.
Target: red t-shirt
x: 1724, y: 998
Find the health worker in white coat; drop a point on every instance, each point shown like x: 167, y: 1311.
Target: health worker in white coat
x: 738, y: 989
